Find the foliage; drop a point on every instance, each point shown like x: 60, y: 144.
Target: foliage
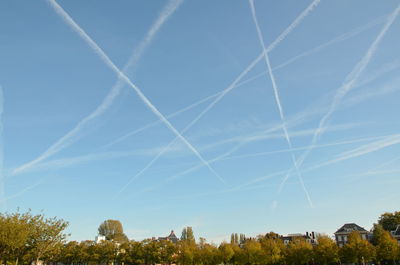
x: 389, y: 221
x: 187, y: 235
x: 386, y: 246
x: 326, y: 251
x: 26, y: 237
x: 273, y: 247
x: 113, y: 230
x: 357, y: 250
x: 299, y: 251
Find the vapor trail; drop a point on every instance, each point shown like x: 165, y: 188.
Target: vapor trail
x: 167, y: 11
x: 121, y: 75
x: 195, y: 120
x: 22, y: 192
x: 71, y: 136
x: 363, y: 150
x: 176, y: 113
x: 352, y: 78
x: 222, y: 156
x: 281, y: 37
x: 305, y: 147
x: 293, y: 25
x: 347, y: 85
x: 227, y: 155
x: 337, y: 39
x: 299, y: 118
x: 277, y: 98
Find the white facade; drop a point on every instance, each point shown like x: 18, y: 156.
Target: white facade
x: 98, y: 239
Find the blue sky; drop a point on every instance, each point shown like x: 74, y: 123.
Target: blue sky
x: 78, y: 141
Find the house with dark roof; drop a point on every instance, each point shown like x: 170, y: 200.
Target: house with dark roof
x: 172, y: 237
x: 342, y: 234
x: 396, y: 234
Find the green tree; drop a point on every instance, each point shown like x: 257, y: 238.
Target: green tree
x: 273, y: 248
x: 151, y: 252
x: 236, y: 259
x: 386, y: 248
x: 208, y: 254
x: 70, y: 253
x: 45, y: 235
x: 251, y: 253
x: 377, y: 233
x: 135, y: 253
x: 357, y: 250
x: 107, y: 252
x: 187, y: 235
x: 14, y: 234
x: 389, y: 221
x: 186, y: 252
x: 298, y: 251
x: 326, y: 251
x: 242, y: 238
x: 167, y: 252
x: 113, y: 230
x: 234, y: 238
x: 226, y: 252
x: 271, y: 235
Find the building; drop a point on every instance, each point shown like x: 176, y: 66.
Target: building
x: 172, y: 237
x: 308, y: 237
x: 98, y: 239
x: 396, y: 234
x: 342, y: 234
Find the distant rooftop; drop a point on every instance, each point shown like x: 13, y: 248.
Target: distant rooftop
x: 172, y: 237
x: 350, y: 227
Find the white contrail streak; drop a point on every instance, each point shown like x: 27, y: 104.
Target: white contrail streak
x: 2, y: 184
x: 191, y: 106
x: 362, y: 150
x: 337, y: 39
x: 299, y: 118
x: 121, y: 75
x: 280, y: 38
x: 22, y: 192
x: 348, y: 84
x: 293, y: 25
x: 195, y: 120
x: 277, y: 98
x: 382, y: 142
x: 167, y: 11
x: 305, y: 147
x: 72, y: 135
x: 227, y: 155
x: 356, y: 152
x: 354, y: 75
x: 352, y: 78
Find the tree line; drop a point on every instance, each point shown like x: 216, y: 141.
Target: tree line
x: 26, y: 238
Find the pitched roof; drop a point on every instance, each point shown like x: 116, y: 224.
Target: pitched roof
x: 172, y: 234
x: 172, y: 237
x: 347, y: 228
